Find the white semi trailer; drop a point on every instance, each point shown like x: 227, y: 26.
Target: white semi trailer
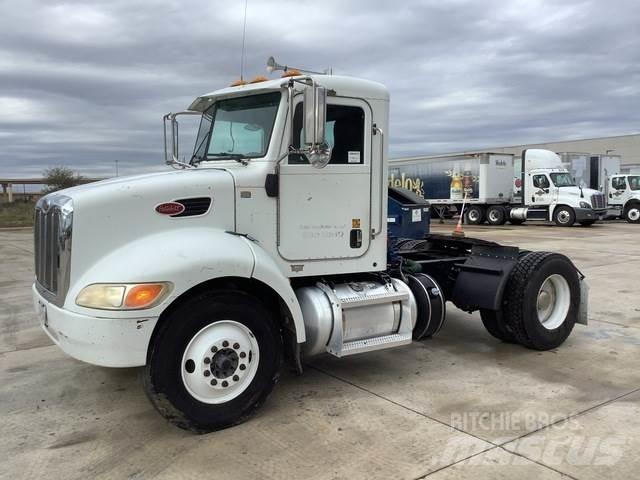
x: 603, y: 172
x: 499, y: 187
x: 270, y: 244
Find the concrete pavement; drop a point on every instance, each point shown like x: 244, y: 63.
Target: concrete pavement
x: 460, y: 405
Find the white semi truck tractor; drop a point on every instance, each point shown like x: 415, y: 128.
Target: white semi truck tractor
x: 603, y: 172
x: 270, y: 244
x: 500, y: 187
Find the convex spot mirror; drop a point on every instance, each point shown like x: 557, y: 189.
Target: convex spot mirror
x: 318, y: 151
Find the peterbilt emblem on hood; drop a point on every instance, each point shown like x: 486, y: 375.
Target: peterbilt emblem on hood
x: 170, y: 208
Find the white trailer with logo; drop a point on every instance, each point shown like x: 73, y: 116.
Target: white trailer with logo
x: 499, y: 187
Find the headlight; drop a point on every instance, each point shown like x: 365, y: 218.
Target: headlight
x: 125, y: 296
x: 585, y: 205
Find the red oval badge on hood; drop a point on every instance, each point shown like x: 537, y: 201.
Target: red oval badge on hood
x: 170, y: 208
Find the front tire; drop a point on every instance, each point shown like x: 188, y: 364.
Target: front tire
x: 213, y: 361
x: 632, y: 213
x: 542, y: 300
x: 564, y: 216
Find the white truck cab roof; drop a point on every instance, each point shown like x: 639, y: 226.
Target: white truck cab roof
x: 343, y: 86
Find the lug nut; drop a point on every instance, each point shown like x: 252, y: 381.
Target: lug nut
x: 207, y: 360
x: 207, y: 373
x: 236, y: 346
x: 225, y: 344
x: 225, y: 384
x: 236, y: 378
x: 214, y: 349
x: 243, y: 366
x: 214, y: 381
x: 242, y: 354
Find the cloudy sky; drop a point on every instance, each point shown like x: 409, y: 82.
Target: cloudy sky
x: 85, y: 83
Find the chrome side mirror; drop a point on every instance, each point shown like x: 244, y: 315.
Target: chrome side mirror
x: 318, y: 152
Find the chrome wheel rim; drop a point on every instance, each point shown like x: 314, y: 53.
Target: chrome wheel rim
x: 220, y: 362
x: 474, y: 216
x: 553, y: 301
x: 634, y: 214
x: 493, y: 216
x: 563, y: 216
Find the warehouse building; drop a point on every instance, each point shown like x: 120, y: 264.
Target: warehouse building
x: 625, y: 146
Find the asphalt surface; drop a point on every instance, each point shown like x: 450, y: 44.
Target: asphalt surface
x: 460, y: 405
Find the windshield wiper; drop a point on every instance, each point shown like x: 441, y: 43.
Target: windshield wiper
x: 238, y: 157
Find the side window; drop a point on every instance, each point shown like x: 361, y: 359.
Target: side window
x: 540, y: 181
x: 344, y: 133
x: 619, y: 183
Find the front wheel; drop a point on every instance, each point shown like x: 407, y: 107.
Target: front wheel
x: 632, y: 213
x: 542, y: 300
x: 564, y: 216
x: 213, y: 361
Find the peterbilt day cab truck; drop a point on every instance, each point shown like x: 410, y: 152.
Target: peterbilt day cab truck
x: 500, y: 187
x: 603, y: 172
x: 269, y: 244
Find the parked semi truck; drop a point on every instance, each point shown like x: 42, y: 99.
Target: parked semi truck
x: 271, y: 243
x: 603, y: 172
x: 498, y: 187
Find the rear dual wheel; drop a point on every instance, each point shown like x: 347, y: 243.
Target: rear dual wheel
x: 474, y: 215
x: 541, y: 302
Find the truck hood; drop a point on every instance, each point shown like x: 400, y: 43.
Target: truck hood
x: 108, y: 215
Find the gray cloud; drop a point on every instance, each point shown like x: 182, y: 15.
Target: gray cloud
x: 84, y: 83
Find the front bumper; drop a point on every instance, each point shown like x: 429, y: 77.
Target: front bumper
x: 108, y: 342
x: 588, y: 214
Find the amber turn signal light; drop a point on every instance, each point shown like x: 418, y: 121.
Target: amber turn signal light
x: 143, y: 295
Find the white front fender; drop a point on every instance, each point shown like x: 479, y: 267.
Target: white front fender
x: 186, y: 257
x: 266, y: 271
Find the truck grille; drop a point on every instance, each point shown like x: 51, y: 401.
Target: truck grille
x: 52, y: 246
x: 598, y: 201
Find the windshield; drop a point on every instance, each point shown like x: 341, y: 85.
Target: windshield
x: 634, y: 182
x: 236, y: 128
x: 562, y: 180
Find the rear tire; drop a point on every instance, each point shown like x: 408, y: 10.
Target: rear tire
x: 632, y: 213
x: 494, y: 323
x: 564, y: 216
x: 213, y: 361
x: 496, y: 215
x: 541, y: 300
x: 474, y: 215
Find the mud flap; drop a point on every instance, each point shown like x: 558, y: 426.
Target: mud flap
x: 583, y: 309
x: 483, y: 277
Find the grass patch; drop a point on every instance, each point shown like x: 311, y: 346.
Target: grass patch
x: 17, y: 214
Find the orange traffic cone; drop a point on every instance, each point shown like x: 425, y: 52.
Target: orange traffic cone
x: 458, y: 232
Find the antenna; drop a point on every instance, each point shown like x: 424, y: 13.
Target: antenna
x: 244, y: 35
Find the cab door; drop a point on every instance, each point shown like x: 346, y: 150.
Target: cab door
x: 617, y: 190
x: 325, y: 213
x: 541, y: 192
